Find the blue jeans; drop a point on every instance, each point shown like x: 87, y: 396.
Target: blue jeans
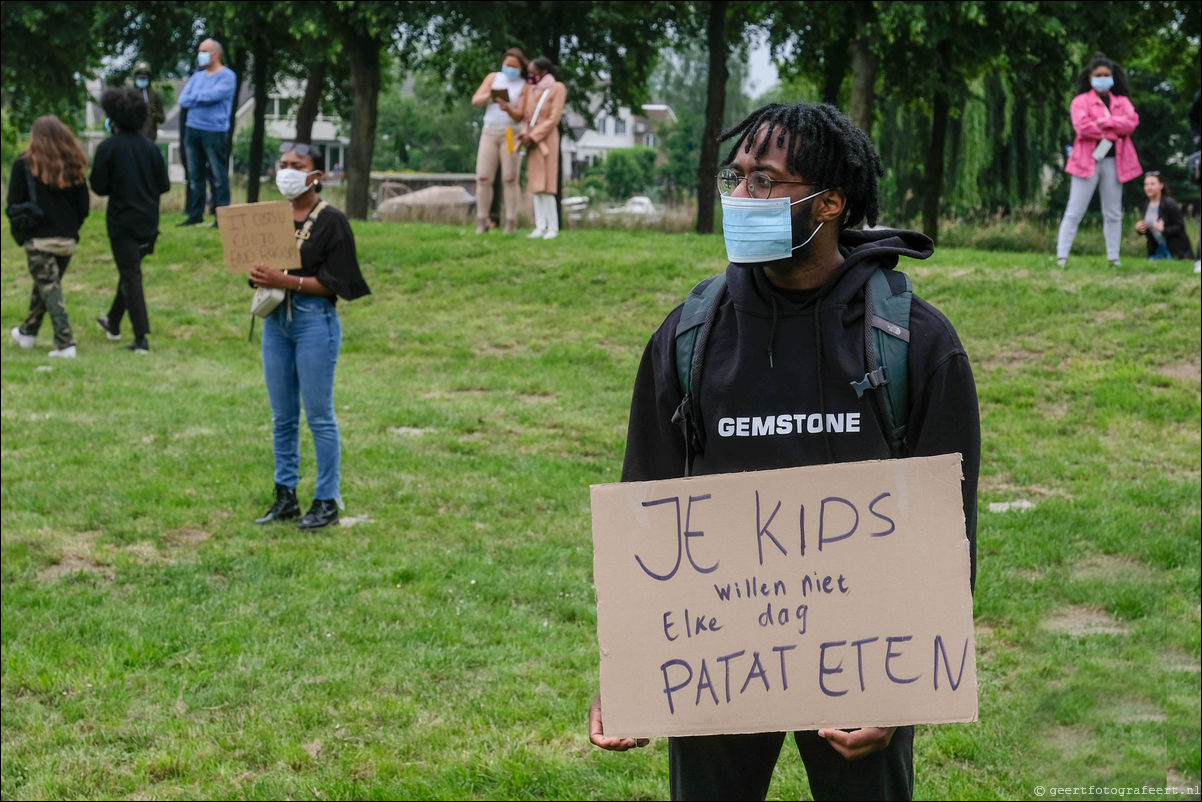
x: 207, y: 155
x: 1162, y: 251
x: 299, y: 357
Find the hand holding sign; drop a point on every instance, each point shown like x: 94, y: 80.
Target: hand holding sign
x: 822, y: 598
x: 258, y: 233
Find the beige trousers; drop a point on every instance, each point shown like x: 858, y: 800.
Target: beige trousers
x: 493, y: 151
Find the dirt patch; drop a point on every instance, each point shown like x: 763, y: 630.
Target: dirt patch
x: 313, y: 748
x: 1189, y: 371
x: 499, y: 350
x: 1131, y: 711
x: 408, y: 431
x: 541, y: 398
x: 1109, y: 567
x: 1081, y: 620
x: 1068, y: 739
x: 186, y: 537
x: 72, y: 563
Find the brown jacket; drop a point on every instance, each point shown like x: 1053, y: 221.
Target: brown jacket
x: 546, y: 126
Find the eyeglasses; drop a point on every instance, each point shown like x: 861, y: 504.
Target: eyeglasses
x: 759, y: 185
x: 1153, y: 172
x: 300, y: 147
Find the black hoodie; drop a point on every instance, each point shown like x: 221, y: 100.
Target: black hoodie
x: 776, y: 385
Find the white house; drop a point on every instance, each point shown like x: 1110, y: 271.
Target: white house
x: 589, y: 140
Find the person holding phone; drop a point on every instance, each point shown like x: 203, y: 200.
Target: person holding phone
x: 1102, y: 157
x: 500, y: 94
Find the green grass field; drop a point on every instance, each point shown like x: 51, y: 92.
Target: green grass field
x: 441, y: 643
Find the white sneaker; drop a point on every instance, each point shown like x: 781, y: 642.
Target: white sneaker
x: 1198, y: 266
x: 537, y: 233
x: 551, y: 235
x: 24, y: 340
x: 65, y: 353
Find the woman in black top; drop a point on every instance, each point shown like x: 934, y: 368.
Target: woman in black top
x: 130, y: 170
x: 54, y: 167
x: 1163, y: 224
x: 302, y: 337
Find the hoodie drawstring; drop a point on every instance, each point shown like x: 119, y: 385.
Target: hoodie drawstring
x: 772, y: 335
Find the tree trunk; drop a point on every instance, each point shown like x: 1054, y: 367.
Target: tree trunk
x: 310, y: 105
x: 239, y: 79
x: 364, y: 57
x: 863, y: 85
x: 933, y: 185
x: 255, y: 162
x: 715, y: 107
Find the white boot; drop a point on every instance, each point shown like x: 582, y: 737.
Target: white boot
x: 551, y: 217
x: 540, y: 223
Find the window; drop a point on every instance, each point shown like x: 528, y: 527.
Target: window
x: 619, y: 126
x: 601, y: 123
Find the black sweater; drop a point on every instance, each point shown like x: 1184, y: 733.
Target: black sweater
x: 64, y: 209
x: 817, y: 344
x: 129, y: 168
x: 1174, y: 230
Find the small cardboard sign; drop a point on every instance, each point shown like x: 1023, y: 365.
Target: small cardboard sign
x: 254, y: 233
x: 796, y: 599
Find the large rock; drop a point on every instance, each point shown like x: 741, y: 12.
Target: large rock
x: 434, y: 204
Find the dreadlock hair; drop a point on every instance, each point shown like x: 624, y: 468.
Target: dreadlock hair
x: 1116, y: 70
x: 823, y: 146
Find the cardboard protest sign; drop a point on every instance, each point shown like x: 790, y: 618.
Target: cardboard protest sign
x: 253, y: 233
x: 825, y: 596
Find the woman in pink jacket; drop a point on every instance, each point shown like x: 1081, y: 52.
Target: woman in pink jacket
x: 542, y: 107
x: 1102, y: 155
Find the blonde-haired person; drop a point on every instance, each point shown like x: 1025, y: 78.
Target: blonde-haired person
x: 498, y: 144
x: 55, y: 166
x: 542, y: 106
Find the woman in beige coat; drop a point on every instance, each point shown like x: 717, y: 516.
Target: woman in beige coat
x: 542, y: 106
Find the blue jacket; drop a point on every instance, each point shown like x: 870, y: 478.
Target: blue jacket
x: 209, y: 99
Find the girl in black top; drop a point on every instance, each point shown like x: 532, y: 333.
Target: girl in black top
x: 302, y: 338
x: 129, y: 169
x: 54, y: 166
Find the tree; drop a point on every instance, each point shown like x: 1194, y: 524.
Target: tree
x: 366, y: 31
x: 629, y: 171
x: 47, y: 56
x: 725, y: 28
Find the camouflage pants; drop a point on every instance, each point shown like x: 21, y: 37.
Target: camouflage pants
x: 47, y: 296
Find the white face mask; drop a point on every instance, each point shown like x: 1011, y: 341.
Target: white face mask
x: 293, y: 183
x: 760, y: 229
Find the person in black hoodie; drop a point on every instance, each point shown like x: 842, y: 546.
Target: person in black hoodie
x: 129, y: 168
x: 788, y: 337
x: 54, y: 167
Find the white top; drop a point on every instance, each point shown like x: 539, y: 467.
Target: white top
x: 494, y: 114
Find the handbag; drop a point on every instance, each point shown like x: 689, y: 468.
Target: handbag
x: 268, y: 298
x: 24, y: 218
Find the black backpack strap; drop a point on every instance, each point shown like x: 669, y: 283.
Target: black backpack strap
x: 887, y: 298
x: 692, y: 333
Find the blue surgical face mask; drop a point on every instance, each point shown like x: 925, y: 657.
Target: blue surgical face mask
x: 1102, y: 84
x: 203, y: 58
x: 760, y: 229
x: 510, y: 72
x: 141, y: 83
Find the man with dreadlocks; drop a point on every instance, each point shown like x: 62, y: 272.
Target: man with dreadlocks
x: 787, y: 337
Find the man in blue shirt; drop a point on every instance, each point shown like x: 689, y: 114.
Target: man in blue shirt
x: 209, y: 99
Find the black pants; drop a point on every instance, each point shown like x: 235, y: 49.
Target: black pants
x: 740, y: 767
x: 128, y: 253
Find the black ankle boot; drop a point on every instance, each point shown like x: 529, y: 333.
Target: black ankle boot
x: 323, y: 513
x: 285, y: 506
